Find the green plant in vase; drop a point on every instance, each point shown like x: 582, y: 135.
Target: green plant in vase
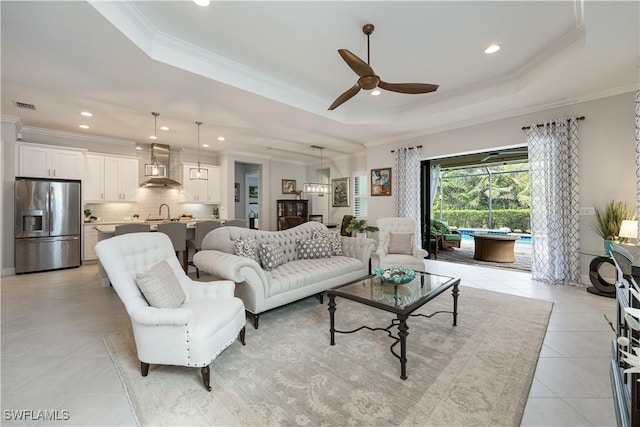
x: 609, y: 219
x: 360, y: 227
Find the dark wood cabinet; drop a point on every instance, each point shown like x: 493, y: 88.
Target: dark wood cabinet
x: 292, y: 207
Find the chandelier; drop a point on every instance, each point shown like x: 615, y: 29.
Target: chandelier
x: 199, y: 173
x: 316, y: 187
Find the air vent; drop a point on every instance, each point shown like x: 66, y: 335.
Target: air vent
x: 25, y: 105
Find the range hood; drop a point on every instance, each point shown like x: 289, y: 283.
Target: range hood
x: 158, y: 169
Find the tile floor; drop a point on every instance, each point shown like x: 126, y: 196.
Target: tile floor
x: 54, y: 358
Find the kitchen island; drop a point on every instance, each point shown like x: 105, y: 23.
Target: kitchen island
x: 106, y: 231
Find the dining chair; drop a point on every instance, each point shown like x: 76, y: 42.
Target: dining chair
x: 132, y: 228
x: 177, y: 232
x: 202, y: 229
x: 345, y: 223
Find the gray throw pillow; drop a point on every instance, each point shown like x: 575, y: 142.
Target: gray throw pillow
x: 271, y: 255
x: 247, y: 248
x: 313, y: 248
x: 333, y: 237
x: 400, y: 243
x: 160, y: 286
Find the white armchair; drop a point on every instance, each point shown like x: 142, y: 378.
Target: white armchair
x: 397, y: 244
x: 208, y: 320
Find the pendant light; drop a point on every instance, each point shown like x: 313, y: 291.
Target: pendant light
x: 316, y: 187
x: 199, y: 173
x: 154, y: 168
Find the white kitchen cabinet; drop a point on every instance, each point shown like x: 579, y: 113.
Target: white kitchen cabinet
x: 200, y: 191
x: 111, y: 178
x: 90, y: 238
x: 46, y: 161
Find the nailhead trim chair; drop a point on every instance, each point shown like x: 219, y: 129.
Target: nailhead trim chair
x: 208, y: 321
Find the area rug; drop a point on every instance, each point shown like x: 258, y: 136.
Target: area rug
x: 475, y: 374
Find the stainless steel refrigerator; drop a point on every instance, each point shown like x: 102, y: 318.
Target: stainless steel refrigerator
x: 47, y: 224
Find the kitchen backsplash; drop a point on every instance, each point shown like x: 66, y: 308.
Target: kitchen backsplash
x: 149, y: 201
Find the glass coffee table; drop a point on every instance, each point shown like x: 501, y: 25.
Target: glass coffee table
x: 402, y: 300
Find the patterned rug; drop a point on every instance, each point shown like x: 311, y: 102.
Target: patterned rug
x: 475, y: 374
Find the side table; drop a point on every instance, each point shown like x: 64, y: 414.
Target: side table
x: 600, y: 285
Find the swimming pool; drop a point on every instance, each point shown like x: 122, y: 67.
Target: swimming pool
x: 525, y: 238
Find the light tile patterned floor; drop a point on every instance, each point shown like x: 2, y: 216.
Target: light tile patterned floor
x: 53, y: 356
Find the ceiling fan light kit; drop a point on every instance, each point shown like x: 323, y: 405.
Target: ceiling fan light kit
x: 369, y: 80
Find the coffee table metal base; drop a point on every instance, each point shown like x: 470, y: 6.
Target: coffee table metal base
x: 400, y: 322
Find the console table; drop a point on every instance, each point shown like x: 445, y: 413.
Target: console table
x: 625, y: 387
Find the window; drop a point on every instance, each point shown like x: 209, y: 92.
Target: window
x: 360, y: 194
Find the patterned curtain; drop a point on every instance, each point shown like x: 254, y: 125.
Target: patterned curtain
x: 406, y: 195
x: 553, y: 170
x: 638, y: 158
x: 435, y: 175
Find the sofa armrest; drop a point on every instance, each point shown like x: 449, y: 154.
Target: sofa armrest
x: 358, y: 248
x: 152, y: 316
x: 225, y: 265
x: 419, y: 252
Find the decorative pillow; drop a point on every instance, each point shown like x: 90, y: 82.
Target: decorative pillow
x: 313, y: 248
x: 271, y: 255
x: 333, y: 237
x: 247, y: 248
x: 160, y: 286
x: 400, y: 243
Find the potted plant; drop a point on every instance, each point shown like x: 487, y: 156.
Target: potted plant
x: 608, y: 221
x: 360, y: 227
x: 87, y: 215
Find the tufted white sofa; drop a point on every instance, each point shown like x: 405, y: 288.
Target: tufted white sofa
x: 262, y: 290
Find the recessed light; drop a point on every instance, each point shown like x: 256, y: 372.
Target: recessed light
x: 492, y: 49
x: 86, y: 114
x: 83, y: 126
x: 375, y: 92
x: 221, y: 138
x: 205, y: 145
x: 202, y: 3
x: 153, y: 137
x: 164, y: 128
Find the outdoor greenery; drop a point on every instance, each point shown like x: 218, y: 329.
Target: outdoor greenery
x: 466, y: 193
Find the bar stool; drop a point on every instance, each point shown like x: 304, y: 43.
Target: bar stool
x: 236, y: 223
x: 177, y: 232
x: 132, y: 228
x: 202, y: 229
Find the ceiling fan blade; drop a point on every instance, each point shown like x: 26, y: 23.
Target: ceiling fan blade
x: 411, y: 88
x: 360, y: 67
x: 347, y: 95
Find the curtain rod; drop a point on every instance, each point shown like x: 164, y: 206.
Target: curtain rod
x: 542, y: 124
x: 410, y: 148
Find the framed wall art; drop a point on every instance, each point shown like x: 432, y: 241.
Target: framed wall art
x: 253, y: 191
x: 340, y: 187
x: 288, y: 186
x: 381, y: 182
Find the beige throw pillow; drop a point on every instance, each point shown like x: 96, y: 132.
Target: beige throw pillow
x: 160, y: 286
x: 400, y: 243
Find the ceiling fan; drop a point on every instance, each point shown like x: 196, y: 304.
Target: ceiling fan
x: 493, y: 154
x: 369, y: 80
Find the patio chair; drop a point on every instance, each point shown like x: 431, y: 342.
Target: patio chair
x: 444, y: 236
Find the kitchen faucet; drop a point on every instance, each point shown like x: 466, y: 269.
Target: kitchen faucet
x: 168, y: 210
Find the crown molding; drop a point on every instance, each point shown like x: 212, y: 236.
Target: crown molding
x: 50, y: 133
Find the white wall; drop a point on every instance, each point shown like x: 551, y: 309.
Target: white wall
x: 8, y: 138
x: 607, y: 154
